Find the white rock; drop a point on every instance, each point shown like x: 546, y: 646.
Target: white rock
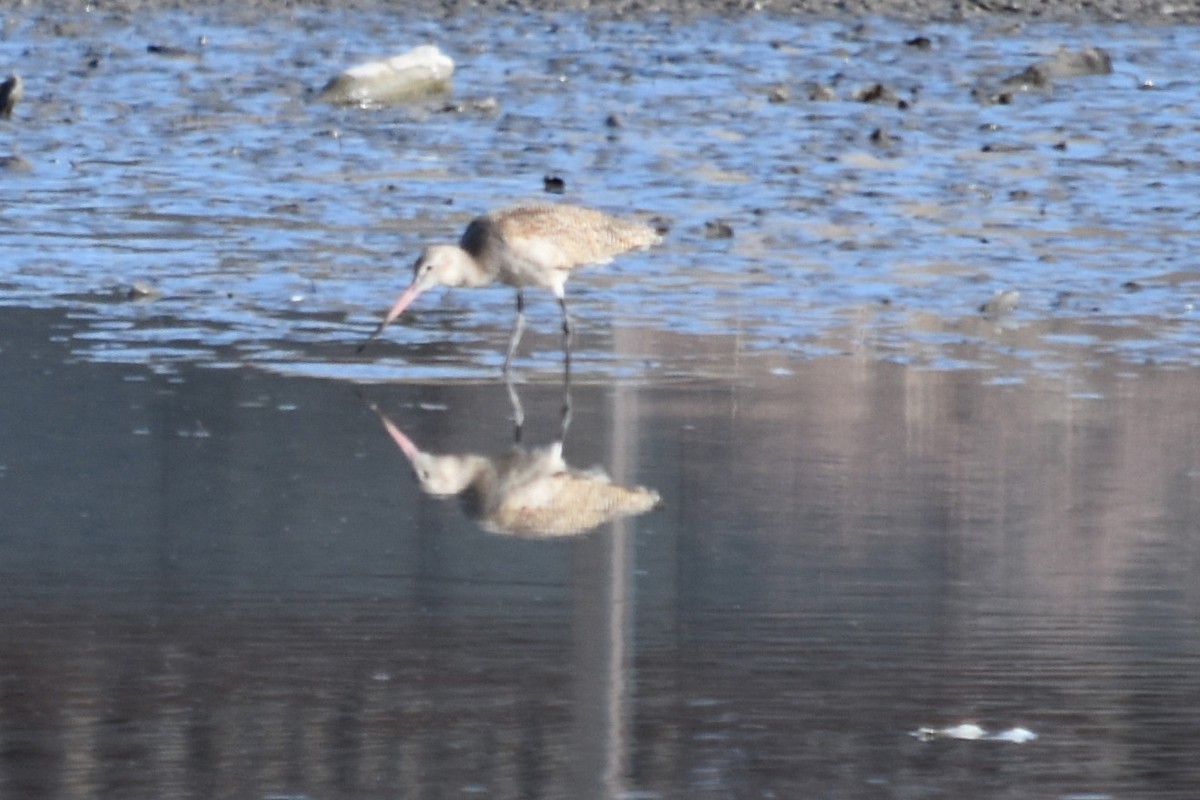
x: 421, y: 72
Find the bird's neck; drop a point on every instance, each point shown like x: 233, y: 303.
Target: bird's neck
x: 470, y: 269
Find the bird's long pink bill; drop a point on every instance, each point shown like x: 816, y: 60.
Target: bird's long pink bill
x: 402, y: 303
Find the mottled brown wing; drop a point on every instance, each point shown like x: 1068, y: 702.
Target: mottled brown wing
x: 582, y: 235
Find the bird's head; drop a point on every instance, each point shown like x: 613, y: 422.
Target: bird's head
x: 441, y: 265
x: 438, y: 265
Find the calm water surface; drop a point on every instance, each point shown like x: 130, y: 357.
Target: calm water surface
x: 881, y: 512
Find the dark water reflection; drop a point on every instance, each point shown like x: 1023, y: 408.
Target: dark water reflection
x: 219, y: 583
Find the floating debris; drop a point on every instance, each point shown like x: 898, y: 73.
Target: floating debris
x: 970, y: 732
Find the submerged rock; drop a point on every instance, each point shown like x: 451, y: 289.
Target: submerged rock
x: 1063, y: 64
x: 421, y: 72
x: 876, y: 93
x: 821, y: 93
x: 15, y: 163
x: 1002, y: 302
x: 718, y: 229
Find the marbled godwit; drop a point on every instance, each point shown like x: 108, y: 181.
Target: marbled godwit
x: 528, y: 245
x: 530, y: 493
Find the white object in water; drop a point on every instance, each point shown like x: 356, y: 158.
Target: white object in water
x: 969, y: 731
x: 418, y: 73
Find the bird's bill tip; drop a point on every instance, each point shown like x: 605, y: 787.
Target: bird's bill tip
x: 396, y: 310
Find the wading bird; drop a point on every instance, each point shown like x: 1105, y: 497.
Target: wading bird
x: 526, y: 245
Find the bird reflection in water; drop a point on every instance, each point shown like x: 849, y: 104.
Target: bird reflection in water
x: 530, y: 493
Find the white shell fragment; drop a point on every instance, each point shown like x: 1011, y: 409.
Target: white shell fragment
x: 969, y: 731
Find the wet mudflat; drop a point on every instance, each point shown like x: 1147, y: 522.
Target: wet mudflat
x: 883, y: 510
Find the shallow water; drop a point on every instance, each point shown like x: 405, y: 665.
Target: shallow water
x: 281, y: 227
x: 881, y: 510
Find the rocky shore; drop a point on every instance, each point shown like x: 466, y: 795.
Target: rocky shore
x: 1154, y: 12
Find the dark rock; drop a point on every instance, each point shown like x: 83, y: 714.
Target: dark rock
x: 168, y: 51
x: 11, y: 92
x: 15, y: 164
x: 877, y: 93
x: 717, y: 229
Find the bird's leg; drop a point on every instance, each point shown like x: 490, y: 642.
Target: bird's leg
x: 566, y: 328
x: 518, y: 409
x: 518, y: 329
x: 566, y: 410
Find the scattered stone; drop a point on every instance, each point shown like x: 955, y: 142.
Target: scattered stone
x: 168, y: 51
x: 985, y: 96
x: 919, y: 42
x: 1002, y: 302
x: 420, y: 73
x: 614, y: 121
x: 487, y: 106
x: 554, y: 184
x: 820, y: 93
x: 877, y: 93
x: 11, y: 92
x: 661, y: 224
x: 778, y: 94
x: 142, y: 291
x: 882, y: 138
x: 1002, y: 147
x: 1131, y: 286
x: 15, y: 164
x: 718, y: 229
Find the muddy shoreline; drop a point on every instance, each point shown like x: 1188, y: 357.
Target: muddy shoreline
x: 1157, y: 12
